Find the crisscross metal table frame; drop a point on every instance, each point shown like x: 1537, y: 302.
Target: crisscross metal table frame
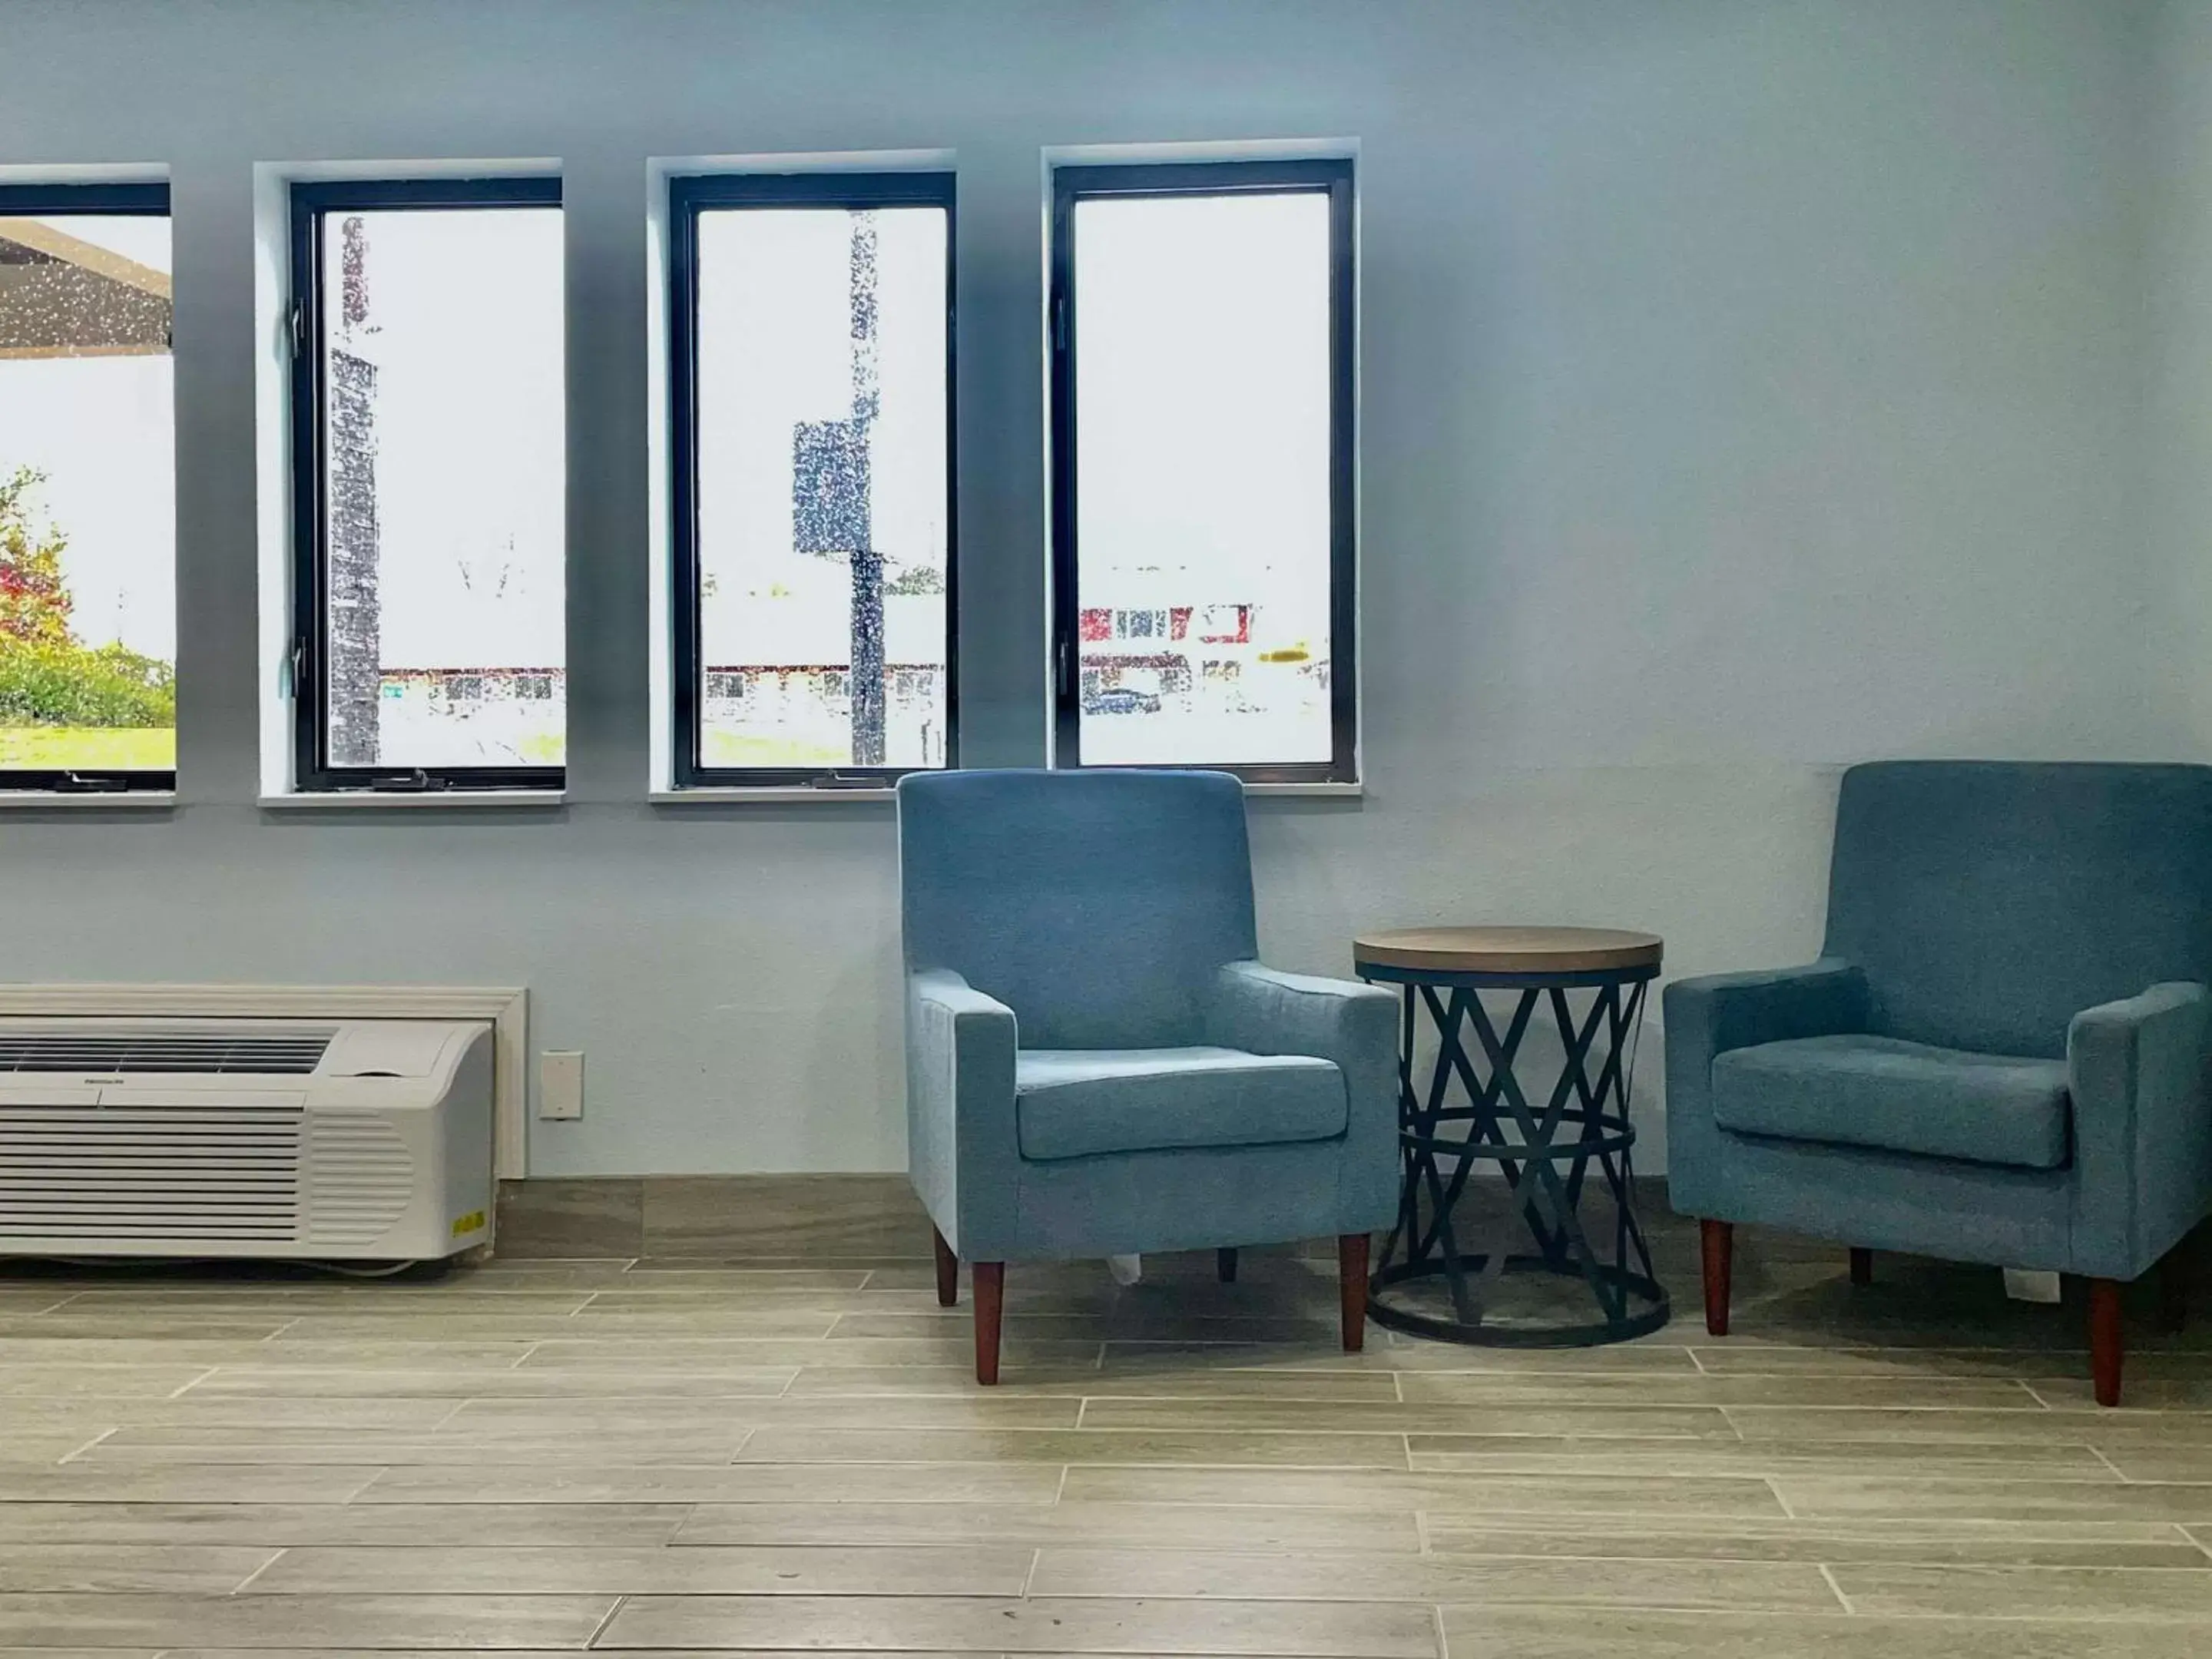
x: 1545, y: 1153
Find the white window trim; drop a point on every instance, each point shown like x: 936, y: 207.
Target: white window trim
x: 787, y: 796
x: 1052, y: 156
x: 89, y: 800
x: 387, y: 800
x: 659, y: 170
x: 272, y: 434
x: 765, y: 795
x: 94, y: 172
x: 1307, y: 791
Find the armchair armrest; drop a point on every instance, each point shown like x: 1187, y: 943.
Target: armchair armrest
x: 1264, y: 1012
x: 2142, y: 1127
x: 1719, y: 1012
x: 962, y: 1151
x: 1709, y: 1015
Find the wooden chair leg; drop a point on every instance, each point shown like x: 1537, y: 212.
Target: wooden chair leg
x: 948, y: 1272
x: 990, y: 1298
x: 1716, y: 1240
x: 1351, y: 1288
x: 2104, y: 1343
x: 1224, y: 1265
x: 1861, y: 1266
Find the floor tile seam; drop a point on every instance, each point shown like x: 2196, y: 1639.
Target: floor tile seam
x: 186, y: 1388
x: 276, y: 1555
x: 2121, y: 1474
x: 600, y: 1629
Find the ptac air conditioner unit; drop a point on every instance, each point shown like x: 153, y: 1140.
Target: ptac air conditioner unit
x: 332, y: 1140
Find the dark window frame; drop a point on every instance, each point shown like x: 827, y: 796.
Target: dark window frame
x: 688, y: 195
x: 311, y: 202
x: 1331, y: 176
x: 104, y: 200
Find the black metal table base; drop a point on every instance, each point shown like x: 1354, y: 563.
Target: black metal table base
x: 1545, y: 1153
x: 1624, y: 1285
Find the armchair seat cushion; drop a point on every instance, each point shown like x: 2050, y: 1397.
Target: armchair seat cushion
x: 1076, y: 1103
x: 1900, y: 1097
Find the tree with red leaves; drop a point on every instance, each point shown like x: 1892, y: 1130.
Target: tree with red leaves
x: 47, y: 677
x: 34, y: 600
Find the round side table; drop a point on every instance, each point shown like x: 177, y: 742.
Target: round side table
x: 1546, y: 1148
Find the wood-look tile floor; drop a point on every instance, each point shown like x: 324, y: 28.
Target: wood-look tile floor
x: 546, y: 1455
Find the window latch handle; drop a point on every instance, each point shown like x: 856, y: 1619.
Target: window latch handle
x: 415, y: 782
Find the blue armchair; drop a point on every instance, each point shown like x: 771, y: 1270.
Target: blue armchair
x: 2001, y: 1055
x: 1095, y: 1065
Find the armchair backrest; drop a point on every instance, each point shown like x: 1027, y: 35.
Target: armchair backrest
x: 1096, y: 905
x: 1989, y: 902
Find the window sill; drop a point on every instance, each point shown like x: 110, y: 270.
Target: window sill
x: 784, y: 794
x: 380, y: 800
x: 764, y: 795
x: 88, y: 800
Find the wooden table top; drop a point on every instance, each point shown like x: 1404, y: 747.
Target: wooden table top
x: 1507, y: 950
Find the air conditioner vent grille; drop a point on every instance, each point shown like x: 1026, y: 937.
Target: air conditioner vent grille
x: 213, y: 1172
x: 360, y: 1178
x: 259, y: 1054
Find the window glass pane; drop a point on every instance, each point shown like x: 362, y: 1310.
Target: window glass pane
x: 822, y: 487
x: 1202, y: 460
x: 444, y: 405
x: 88, y: 500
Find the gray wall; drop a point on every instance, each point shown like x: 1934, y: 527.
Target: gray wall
x: 2180, y: 436
x: 1750, y: 387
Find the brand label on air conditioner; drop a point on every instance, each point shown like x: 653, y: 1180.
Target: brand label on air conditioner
x: 472, y: 1223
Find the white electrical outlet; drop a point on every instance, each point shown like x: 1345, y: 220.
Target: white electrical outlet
x: 560, y: 1085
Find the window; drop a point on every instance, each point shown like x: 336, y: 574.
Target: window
x: 810, y: 374
x: 428, y: 484
x: 87, y: 497
x: 1201, y: 468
